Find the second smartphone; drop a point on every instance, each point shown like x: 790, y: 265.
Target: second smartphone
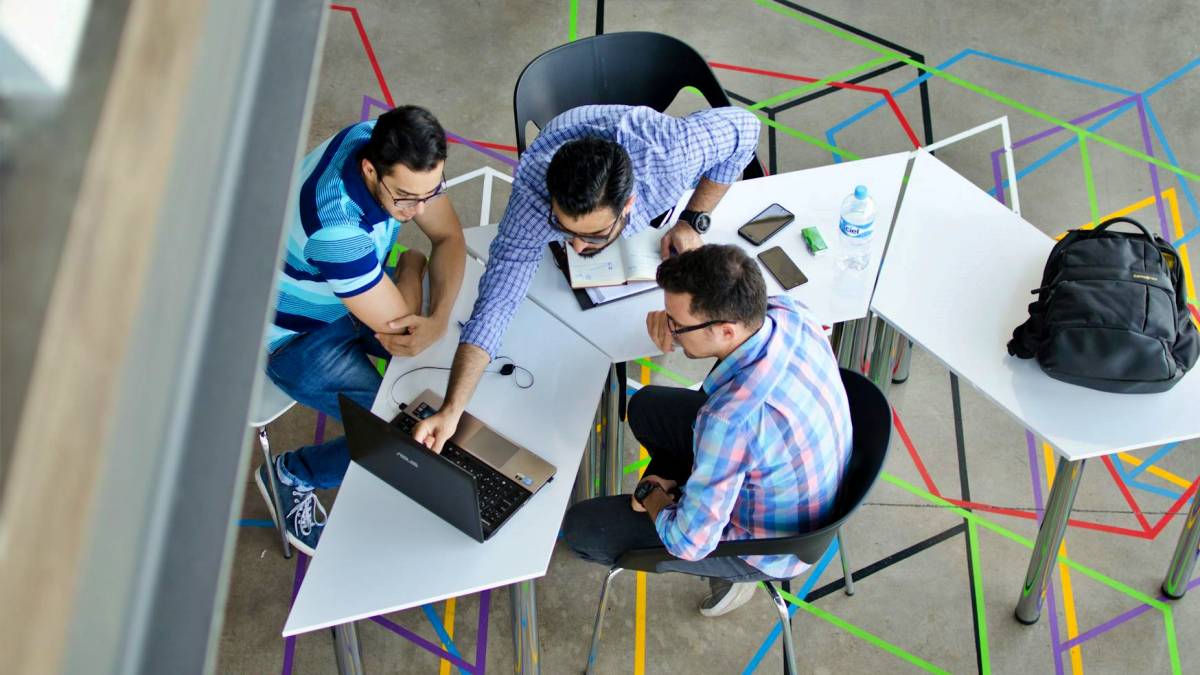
x: 764, y: 226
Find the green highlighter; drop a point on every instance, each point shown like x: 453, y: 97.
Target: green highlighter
x: 814, y: 241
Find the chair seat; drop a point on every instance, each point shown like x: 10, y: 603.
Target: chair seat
x: 270, y: 404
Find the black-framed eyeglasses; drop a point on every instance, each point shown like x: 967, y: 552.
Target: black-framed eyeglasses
x: 595, y: 239
x: 410, y: 202
x: 677, y: 330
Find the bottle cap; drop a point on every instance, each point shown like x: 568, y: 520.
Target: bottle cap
x: 860, y: 192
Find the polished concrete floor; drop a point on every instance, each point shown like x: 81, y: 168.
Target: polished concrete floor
x: 932, y: 593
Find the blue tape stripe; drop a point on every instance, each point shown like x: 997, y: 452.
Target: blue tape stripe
x: 1148, y: 487
x: 1183, y: 184
x: 814, y: 574
x: 1153, y: 459
x: 881, y: 102
x: 436, y: 622
x: 1055, y: 73
x: 1172, y: 77
x: 256, y: 522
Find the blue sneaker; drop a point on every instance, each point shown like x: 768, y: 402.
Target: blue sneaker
x: 301, y: 505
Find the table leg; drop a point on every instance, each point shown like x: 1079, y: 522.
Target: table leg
x: 880, y: 371
x: 526, y: 651
x: 346, y: 649
x: 614, y: 434
x: 903, y: 361
x: 1049, y: 539
x: 851, y: 344
x: 1183, y: 563
x: 586, y: 480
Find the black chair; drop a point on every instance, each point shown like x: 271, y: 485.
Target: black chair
x: 635, y: 68
x: 872, y: 419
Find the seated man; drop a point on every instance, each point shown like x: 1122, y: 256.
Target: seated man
x: 594, y: 174
x: 335, y: 304
x: 759, y: 452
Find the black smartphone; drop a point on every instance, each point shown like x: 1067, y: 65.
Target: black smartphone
x: 764, y: 226
x: 782, y: 268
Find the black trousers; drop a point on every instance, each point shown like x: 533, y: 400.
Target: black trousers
x: 601, y: 529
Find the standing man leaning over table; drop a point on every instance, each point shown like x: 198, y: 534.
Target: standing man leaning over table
x: 594, y: 173
x: 336, y: 305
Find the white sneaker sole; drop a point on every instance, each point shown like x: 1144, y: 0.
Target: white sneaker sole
x: 740, y: 594
x: 266, y: 495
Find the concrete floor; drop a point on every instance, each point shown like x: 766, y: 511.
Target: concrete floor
x: 461, y: 59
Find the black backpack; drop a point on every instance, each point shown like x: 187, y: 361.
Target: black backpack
x: 1111, y: 313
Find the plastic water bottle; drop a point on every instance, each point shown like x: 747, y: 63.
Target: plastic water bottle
x: 856, y: 229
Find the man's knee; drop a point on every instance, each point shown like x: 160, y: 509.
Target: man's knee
x: 641, y: 411
x: 584, y: 531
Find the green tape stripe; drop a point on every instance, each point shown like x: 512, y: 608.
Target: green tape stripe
x: 634, y: 466
x: 1093, y: 202
x: 980, y: 609
x: 811, y: 140
x: 669, y: 374
x: 837, y: 77
x: 572, y: 20
x: 381, y: 366
x: 394, y: 254
x: 862, y: 634
x: 970, y: 86
x: 1172, y: 647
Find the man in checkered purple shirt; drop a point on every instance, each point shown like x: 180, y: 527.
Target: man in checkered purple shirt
x: 594, y: 174
x: 759, y: 452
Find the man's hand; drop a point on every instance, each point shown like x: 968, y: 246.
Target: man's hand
x: 660, y: 332
x: 435, y: 430
x: 681, y: 238
x: 411, y: 335
x: 665, y: 483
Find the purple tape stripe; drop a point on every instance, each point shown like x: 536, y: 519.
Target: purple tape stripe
x: 479, y: 148
x: 421, y: 642
x: 481, y: 637
x: 289, y: 644
x: 998, y: 177
x: 1120, y: 619
x: 1158, y: 200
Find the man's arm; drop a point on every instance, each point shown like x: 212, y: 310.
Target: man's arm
x: 726, y: 139
x: 407, y: 335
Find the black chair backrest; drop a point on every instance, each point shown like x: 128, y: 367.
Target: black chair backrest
x: 636, y: 68
x: 871, y: 416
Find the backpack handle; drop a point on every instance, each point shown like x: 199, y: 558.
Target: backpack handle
x: 1131, y: 221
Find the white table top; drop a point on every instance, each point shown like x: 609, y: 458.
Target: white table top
x: 814, y: 195
x: 957, y: 280
x: 381, y: 552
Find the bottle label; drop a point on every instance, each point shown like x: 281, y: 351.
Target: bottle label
x: 856, y: 231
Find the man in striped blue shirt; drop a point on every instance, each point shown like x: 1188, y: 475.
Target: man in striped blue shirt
x: 594, y: 174
x: 336, y: 305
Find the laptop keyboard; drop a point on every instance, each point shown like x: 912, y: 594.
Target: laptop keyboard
x: 499, y: 496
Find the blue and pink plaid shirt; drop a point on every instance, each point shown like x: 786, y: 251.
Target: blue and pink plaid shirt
x: 772, y: 442
x: 669, y: 155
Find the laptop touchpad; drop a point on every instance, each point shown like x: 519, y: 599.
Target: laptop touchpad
x: 491, y: 448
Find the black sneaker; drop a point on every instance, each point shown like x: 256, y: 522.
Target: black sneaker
x: 726, y: 596
x: 300, y: 522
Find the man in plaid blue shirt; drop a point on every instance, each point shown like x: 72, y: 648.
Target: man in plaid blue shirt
x: 594, y: 174
x: 759, y: 452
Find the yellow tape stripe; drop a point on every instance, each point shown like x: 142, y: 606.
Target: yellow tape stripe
x: 448, y: 622
x: 1183, y: 253
x: 639, y: 621
x: 1156, y: 471
x: 1068, y: 592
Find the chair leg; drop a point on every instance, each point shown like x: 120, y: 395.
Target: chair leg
x: 785, y: 623
x: 271, y: 487
x: 596, y: 630
x: 846, y: 574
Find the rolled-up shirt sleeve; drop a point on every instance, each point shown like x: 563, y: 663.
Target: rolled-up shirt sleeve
x: 726, y: 139
x: 692, y: 528
x: 512, y: 261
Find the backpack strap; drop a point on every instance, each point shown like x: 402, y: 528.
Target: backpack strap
x: 1131, y: 221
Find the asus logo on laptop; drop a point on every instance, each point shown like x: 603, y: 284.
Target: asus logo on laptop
x: 404, y: 457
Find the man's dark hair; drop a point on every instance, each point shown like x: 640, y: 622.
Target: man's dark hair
x: 587, y: 174
x: 408, y: 135
x: 724, y: 282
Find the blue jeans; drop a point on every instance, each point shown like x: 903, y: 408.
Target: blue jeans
x: 313, y: 369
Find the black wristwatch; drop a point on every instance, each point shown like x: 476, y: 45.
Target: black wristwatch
x: 644, y: 489
x: 699, y: 220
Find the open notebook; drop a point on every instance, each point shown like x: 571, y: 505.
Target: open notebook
x: 633, y: 259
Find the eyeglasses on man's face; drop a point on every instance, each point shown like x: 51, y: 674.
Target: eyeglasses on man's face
x: 598, y: 239
x: 677, y: 330
x: 407, y: 203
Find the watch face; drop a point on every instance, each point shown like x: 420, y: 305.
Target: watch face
x: 701, y: 223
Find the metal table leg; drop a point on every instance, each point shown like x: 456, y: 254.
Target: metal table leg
x: 346, y: 648
x: 850, y: 344
x: 588, y: 478
x: 903, y: 361
x: 526, y: 651
x: 882, y: 351
x: 1183, y: 563
x: 614, y: 434
x: 1049, y: 539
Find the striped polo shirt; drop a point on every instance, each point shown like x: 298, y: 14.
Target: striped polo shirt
x: 337, y: 243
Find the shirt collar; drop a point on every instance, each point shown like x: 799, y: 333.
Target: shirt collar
x: 746, y: 353
x: 356, y: 188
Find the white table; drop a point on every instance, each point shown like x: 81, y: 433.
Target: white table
x: 956, y: 281
x: 814, y: 195
x: 381, y: 552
